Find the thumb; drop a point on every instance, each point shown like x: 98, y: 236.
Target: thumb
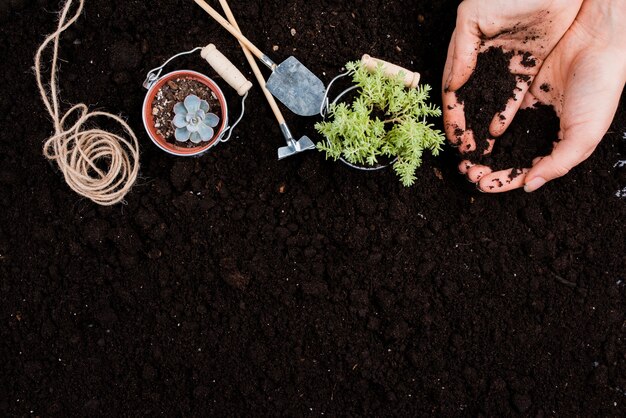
x: 579, y: 142
x: 566, y: 155
x: 588, y: 108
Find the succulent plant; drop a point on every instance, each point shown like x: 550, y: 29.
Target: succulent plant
x: 193, y: 121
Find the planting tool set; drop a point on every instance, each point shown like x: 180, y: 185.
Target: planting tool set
x: 294, y: 85
x: 293, y: 146
x: 291, y: 82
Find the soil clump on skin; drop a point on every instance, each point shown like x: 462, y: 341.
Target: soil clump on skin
x: 528, y: 60
x: 237, y: 285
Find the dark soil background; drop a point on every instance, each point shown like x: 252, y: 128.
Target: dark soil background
x: 234, y: 284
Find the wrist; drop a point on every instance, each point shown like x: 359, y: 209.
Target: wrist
x: 611, y: 12
x: 605, y: 20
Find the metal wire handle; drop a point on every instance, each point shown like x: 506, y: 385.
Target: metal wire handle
x: 232, y: 127
x: 324, y: 108
x: 155, y: 73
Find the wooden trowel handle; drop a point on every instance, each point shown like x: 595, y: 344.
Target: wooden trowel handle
x: 255, y: 68
x: 411, y: 78
x: 219, y: 19
x: 226, y: 69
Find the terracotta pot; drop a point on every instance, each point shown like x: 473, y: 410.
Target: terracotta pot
x: 148, y: 118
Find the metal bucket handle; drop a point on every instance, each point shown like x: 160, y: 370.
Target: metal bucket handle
x: 325, y: 107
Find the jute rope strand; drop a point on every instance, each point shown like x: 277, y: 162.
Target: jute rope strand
x: 80, y: 151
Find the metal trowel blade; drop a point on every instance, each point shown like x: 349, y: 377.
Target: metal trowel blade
x: 297, y: 88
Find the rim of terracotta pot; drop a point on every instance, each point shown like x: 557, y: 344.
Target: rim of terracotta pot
x: 148, y: 118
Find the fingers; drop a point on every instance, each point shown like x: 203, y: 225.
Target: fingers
x: 503, y: 181
x: 525, y: 67
x: 502, y: 120
x: 455, y: 124
x: 465, y: 166
x: 477, y: 172
x: 453, y: 118
x: 486, y: 179
x: 453, y: 114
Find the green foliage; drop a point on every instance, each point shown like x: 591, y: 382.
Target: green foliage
x: 357, y: 135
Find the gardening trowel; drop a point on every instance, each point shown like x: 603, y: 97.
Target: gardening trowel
x: 291, y: 82
x: 293, y: 146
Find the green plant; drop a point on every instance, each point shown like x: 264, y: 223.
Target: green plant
x: 385, y: 119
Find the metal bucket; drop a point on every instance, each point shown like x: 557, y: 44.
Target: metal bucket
x: 324, y: 110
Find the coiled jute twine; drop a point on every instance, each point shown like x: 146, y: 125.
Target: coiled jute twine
x: 96, y: 164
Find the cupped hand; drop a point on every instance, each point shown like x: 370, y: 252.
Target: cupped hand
x: 531, y: 26
x: 585, y: 76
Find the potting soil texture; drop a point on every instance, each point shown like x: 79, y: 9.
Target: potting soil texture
x: 237, y: 285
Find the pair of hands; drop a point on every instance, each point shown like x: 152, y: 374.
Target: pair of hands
x: 580, y: 50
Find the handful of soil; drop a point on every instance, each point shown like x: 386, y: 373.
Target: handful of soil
x: 531, y: 135
x: 491, y: 86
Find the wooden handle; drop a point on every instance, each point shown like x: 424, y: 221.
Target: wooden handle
x: 226, y: 69
x: 411, y: 79
x: 253, y: 64
x: 219, y: 19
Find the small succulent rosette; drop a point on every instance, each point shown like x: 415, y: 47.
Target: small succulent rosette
x: 193, y: 120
